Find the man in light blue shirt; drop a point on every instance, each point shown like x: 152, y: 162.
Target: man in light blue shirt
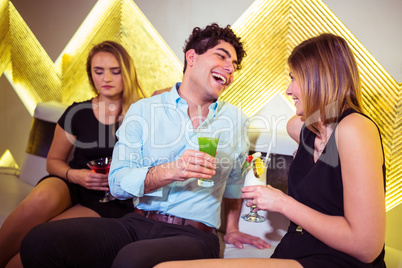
x: 157, y: 131
x: 156, y: 162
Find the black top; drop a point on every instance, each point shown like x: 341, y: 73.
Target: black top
x: 319, y: 186
x: 93, y: 139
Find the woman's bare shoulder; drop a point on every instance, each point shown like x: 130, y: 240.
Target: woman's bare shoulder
x: 357, y: 124
x: 294, y: 127
x: 357, y: 132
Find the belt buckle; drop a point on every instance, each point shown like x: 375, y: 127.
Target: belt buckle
x: 170, y: 218
x: 149, y: 213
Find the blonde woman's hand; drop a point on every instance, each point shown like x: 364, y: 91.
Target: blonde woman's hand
x: 88, y: 179
x: 265, y: 197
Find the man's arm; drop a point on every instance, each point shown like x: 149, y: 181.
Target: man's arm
x: 134, y: 173
x: 233, y: 235
x: 191, y: 164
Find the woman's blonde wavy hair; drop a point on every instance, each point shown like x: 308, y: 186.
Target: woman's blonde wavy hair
x: 328, y: 76
x: 132, y: 89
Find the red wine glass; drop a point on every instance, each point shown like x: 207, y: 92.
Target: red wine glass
x: 102, y: 165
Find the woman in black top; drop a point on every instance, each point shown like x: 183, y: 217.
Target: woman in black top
x: 72, y: 189
x: 336, y: 201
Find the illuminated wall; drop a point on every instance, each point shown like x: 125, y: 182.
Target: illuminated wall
x: 272, y: 29
x: 36, y: 78
x: 269, y: 28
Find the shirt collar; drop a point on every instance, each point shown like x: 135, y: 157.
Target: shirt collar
x: 214, y: 107
x: 174, y: 98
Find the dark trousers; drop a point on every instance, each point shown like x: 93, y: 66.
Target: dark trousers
x: 131, y: 241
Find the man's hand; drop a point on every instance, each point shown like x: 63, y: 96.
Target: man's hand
x: 238, y: 238
x: 191, y: 164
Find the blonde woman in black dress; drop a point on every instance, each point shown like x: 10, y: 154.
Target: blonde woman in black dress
x: 72, y: 189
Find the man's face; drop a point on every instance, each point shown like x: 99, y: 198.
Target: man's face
x: 214, y: 70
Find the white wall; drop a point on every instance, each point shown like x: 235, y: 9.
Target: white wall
x: 53, y: 22
x: 378, y: 25
x: 175, y: 19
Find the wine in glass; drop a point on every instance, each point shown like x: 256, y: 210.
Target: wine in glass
x: 256, y: 174
x: 102, y: 166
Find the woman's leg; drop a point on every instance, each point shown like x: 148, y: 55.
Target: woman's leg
x: 15, y: 262
x: 76, y: 211
x: 46, y: 200
x: 231, y: 263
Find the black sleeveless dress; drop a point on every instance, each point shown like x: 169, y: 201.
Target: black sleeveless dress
x: 319, y: 186
x: 93, y: 140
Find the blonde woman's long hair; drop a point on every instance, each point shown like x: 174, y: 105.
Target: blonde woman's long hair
x: 327, y: 73
x: 132, y: 89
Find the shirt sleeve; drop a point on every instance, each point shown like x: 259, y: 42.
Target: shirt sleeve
x: 127, y: 172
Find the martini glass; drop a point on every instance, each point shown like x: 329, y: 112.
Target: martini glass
x: 253, y: 178
x: 102, y: 166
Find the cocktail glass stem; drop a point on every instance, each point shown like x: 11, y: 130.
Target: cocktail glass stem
x: 102, y: 166
x: 255, y: 179
x: 253, y: 216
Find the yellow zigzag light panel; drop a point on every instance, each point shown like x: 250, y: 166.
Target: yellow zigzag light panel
x: 7, y: 160
x: 122, y: 21
x: 5, y: 56
x: 270, y: 29
x: 37, y: 79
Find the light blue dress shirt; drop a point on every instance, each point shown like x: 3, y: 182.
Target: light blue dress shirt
x: 158, y: 130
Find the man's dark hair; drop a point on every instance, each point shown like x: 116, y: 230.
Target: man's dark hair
x: 203, y: 39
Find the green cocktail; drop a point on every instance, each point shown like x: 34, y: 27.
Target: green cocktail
x: 207, y: 145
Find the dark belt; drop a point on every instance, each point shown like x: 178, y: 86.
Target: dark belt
x: 155, y: 215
